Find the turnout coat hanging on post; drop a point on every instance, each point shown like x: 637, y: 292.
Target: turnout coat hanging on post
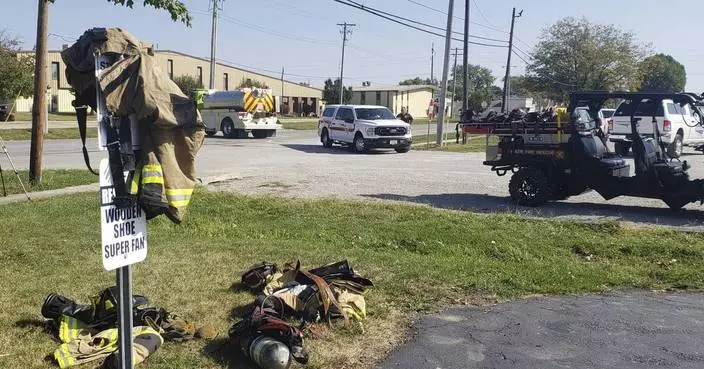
x: 170, y: 128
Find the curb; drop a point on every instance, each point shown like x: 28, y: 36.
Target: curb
x: 48, y: 194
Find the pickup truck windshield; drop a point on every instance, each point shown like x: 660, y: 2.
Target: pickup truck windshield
x: 374, y: 113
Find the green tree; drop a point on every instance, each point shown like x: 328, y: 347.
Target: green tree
x: 416, y: 81
x: 480, y: 85
x: 574, y: 54
x: 249, y: 83
x: 188, y: 85
x: 662, y: 72
x: 331, y: 92
x: 175, y: 8
x: 16, y: 71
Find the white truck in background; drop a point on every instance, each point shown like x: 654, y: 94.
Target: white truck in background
x: 678, y: 125
x: 237, y: 113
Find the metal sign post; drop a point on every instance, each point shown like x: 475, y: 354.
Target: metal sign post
x: 124, y: 232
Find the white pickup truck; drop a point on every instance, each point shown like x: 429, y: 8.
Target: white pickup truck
x: 678, y: 125
x: 363, y: 127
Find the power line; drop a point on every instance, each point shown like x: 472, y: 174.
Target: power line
x: 421, y: 23
x: 366, y: 9
x: 523, y: 52
x: 479, y: 10
x: 274, y: 33
x: 459, y: 18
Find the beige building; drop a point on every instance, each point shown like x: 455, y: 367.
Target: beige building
x: 296, y: 99
x: 416, y: 98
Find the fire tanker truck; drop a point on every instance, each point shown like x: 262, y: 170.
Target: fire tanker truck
x: 237, y: 113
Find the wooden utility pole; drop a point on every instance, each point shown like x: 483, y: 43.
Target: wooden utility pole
x: 507, y: 78
x: 346, y: 30
x: 39, y: 112
x: 465, y: 57
x: 454, y: 84
x: 445, y: 67
x: 213, y: 45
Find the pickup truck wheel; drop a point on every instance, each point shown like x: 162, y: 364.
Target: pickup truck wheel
x: 228, y: 128
x: 622, y: 148
x: 403, y: 149
x: 325, y: 139
x: 359, y: 145
x: 529, y: 187
x: 675, y: 148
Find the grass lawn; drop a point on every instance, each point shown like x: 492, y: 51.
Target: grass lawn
x: 420, y: 259
x: 474, y: 144
x: 67, y: 117
x: 54, y: 134
x: 51, y: 180
x: 306, y: 124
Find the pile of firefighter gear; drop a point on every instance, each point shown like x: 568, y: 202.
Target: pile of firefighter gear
x: 137, y: 95
x: 267, y: 335
x: 88, y: 332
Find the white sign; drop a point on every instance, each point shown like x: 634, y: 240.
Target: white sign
x: 124, y: 231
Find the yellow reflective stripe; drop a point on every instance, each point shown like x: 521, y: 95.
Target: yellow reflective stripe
x: 60, y: 357
x: 73, y: 331
x: 63, y: 330
x: 152, y: 168
x: 134, y: 186
x: 179, y: 192
x: 153, y: 180
x: 67, y: 356
x: 179, y: 198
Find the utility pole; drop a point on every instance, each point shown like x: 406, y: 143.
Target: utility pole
x: 39, y: 106
x: 507, y: 83
x: 454, y: 83
x: 345, y: 32
x: 432, y: 63
x: 445, y: 67
x: 213, y: 44
x: 281, y: 107
x: 465, y: 57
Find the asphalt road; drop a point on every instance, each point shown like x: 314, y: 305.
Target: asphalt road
x: 622, y: 330
x: 295, y: 164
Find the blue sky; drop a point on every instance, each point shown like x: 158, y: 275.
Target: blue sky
x: 303, y: 37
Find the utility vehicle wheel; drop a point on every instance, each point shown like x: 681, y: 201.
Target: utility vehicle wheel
x: 622, y: 148
x: 260, y: 133
x: 403, y: 149
x: 228, y: 128
x: 211, y: 133
x: 358, y: 144
x: 325, y: 139
x: 674, y: 204
x: 675, y: 148
x: 529, y: 187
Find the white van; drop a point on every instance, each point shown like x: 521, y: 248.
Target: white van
x: 678, y: 125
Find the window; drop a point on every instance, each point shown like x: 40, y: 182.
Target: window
x: 328, y: 112
x: 378, y: 98
x: 225, y: 84
x: 344, y: 114
x: 200, y: 76
x: 608, y: 113
x: 672, y: 109
x: 644, y: 108
x: 374, y: 113
x: 170, y: 68
x: 55, y: 71
x: 363, y: 99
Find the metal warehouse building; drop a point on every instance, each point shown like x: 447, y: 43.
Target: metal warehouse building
x: 296, y: 99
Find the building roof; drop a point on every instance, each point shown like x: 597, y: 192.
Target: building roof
x: 203, y: 59
x: 399, y: 88
x: 233, y: 67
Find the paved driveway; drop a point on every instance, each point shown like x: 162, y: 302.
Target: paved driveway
x: 639, y: 330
